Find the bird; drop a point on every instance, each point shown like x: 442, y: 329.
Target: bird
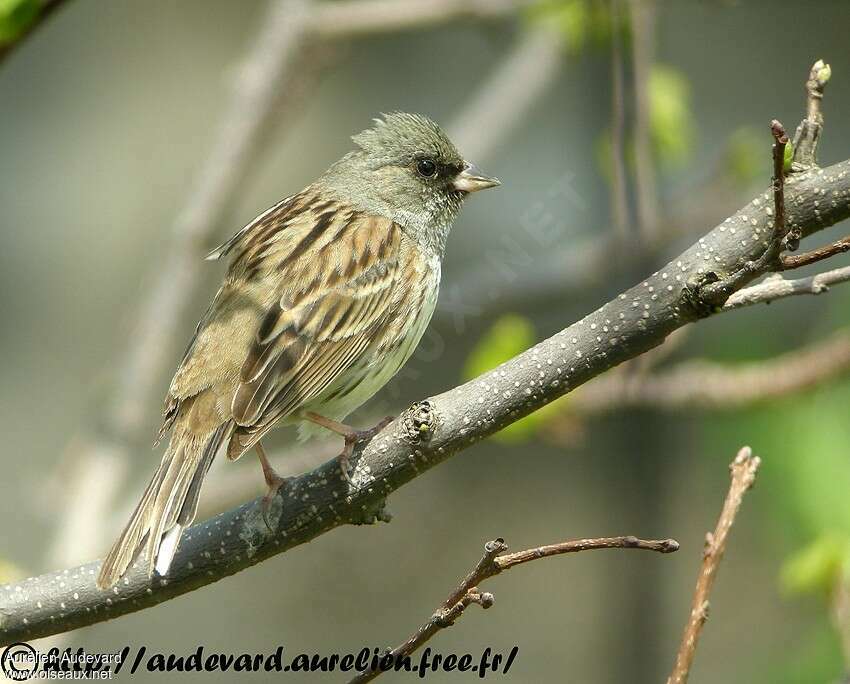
x: 326, y: 296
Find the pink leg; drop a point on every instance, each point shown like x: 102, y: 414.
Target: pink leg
x: 352, y: 437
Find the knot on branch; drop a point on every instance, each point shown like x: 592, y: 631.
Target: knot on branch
x: 706, y: 295
x: 372, y: 515
x: 419, y: 422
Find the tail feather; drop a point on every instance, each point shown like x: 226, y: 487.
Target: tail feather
x: 169, y: 505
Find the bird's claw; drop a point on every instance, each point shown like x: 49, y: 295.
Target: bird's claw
x: 356, y: 437
x: 274, y: 482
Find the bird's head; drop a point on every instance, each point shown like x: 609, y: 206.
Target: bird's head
x: 407, y: 168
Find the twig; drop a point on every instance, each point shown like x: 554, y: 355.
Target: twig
x: 799, y: 260
x: 346, y: 19
x: 780, y: 230
x: 717, y: 292
x: 776, y: 287
x: 743, y: 469
x: 494, y: 561
x: 808, y: 132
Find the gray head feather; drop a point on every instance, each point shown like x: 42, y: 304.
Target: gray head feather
x: 400, y: 136
x: 384, y: 176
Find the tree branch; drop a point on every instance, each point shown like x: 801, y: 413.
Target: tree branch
x: 808, y: 132
x: 432, y: 430
x: 815, y: 255
x: 710, y: 385
x: 743, y: 469
x: 776, y: 287
x: 494, y: 561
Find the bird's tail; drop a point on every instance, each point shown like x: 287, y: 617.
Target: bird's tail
x: 168, y: 505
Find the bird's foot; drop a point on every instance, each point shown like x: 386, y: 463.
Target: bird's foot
x: 273, y: 481
x: 352, y: 437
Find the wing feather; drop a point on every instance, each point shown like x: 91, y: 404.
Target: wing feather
x: 340, y: 273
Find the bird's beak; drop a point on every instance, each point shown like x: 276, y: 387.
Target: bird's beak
x: 471, y: 179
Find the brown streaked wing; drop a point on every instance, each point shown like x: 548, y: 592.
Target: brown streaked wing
x: 337, y: 287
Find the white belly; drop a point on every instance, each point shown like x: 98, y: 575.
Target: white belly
x: 370, y: 373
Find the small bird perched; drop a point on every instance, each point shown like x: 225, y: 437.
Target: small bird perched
x: 326, y: 297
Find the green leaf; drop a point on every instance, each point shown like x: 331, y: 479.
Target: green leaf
x: 15, y: 17
x: 817, y: 567
x: 671, y: 120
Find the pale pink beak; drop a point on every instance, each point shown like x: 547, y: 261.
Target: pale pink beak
x: 471, y: 179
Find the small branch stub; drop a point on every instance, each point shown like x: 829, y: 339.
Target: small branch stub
x: 780, y: 230
x: 808, y: 132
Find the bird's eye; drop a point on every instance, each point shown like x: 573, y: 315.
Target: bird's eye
x: 426, y: 168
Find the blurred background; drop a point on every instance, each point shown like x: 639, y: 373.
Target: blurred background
x: 138, y: 134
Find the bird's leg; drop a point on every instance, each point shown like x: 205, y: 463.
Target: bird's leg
x: 273, y: 481
x: 352, y: 437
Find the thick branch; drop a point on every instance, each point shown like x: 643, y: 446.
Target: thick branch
x: 494, y: 561
x: 433, y: 430
x: 743, y: 469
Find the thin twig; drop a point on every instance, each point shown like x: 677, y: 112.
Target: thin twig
x: 780, y: 230
x: 799, y: 260
x: 494, y: 561
x: 776, y: 287
x: 743, y: 469
x: 718, y: 292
